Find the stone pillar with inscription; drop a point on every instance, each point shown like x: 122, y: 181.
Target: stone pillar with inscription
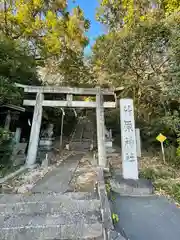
x: 128, y: 140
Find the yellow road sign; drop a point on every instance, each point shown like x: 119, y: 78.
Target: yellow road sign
x: 161, y: 138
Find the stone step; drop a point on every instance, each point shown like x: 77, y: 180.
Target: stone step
x: 80, y: 147
x: 80, y: 144
x: 38, y: 207
x: 47, y: 219
x: 78, y: 230
x: 87, y: 140
x: 81, y: 195
x: 129, y: 187
x: 50, y: 216
x: 13, y: 198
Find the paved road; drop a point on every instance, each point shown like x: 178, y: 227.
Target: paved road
x: 147, y: 218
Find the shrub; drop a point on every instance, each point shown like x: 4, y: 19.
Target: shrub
x: 154, y: 174
x: 5, y: 148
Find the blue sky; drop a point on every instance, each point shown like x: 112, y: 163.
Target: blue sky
x: 89, y: 8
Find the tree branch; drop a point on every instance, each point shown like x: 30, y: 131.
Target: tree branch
x: 164, y: 62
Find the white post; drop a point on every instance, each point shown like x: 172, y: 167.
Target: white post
x: 138, y: 142
x: 110, y: 133
x: 100, y: 129
x: 35, y: 130
x: 128, y: 140
x: 62, y: 126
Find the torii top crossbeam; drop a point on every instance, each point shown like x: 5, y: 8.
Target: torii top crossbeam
x: 69, y: 92
x: 65, y: 90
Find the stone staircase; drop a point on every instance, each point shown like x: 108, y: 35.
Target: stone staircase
x: 71, y: 215
x: 84, y: 134
x: 52, y: 210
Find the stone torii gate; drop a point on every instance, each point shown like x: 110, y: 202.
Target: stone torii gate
x: 41, y: 102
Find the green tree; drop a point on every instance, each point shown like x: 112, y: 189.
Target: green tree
x: 46, y: 25
x: 55, y: 37
x: 141, y: 52
x: 16, y: 65
x: 119, y: 14
x: 71, y: 70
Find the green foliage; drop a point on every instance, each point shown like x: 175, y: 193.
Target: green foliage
x: 165, y: 179
x: 141, y: 52
x: 171, y: 155
x: 8, y: 92
x: 148, y: 174
x: 108, y: 188
x: 46, y: 25
x: 16, y: 65
x: 118, y: 14
x: 154, y: 174
x: 115, y: 218
x: 177, y: 162
x: 4, y: 135
x: 43, y: 33
x: 76, y: 70
x: 113, y: 198
x: 112, y: 120
x: 170, y: 188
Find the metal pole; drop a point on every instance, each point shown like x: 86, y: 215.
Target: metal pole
x: 62, y: 126
x: 163, y: 153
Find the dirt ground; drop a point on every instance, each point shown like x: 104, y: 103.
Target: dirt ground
x: 26, y: 181
x: 85, y: 176
x: 115, y: 160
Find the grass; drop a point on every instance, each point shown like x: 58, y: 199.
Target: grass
x: 111, y: 197
x: 165, y: 177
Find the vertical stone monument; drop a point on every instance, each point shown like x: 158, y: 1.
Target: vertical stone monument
x: 128, y: 140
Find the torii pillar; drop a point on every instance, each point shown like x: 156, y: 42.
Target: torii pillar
x: 35, y: 130
x: 100, y: 129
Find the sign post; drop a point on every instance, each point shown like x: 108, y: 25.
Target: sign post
x: 161, y: 138
x: 62, y: 126
x: 128, y: 140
